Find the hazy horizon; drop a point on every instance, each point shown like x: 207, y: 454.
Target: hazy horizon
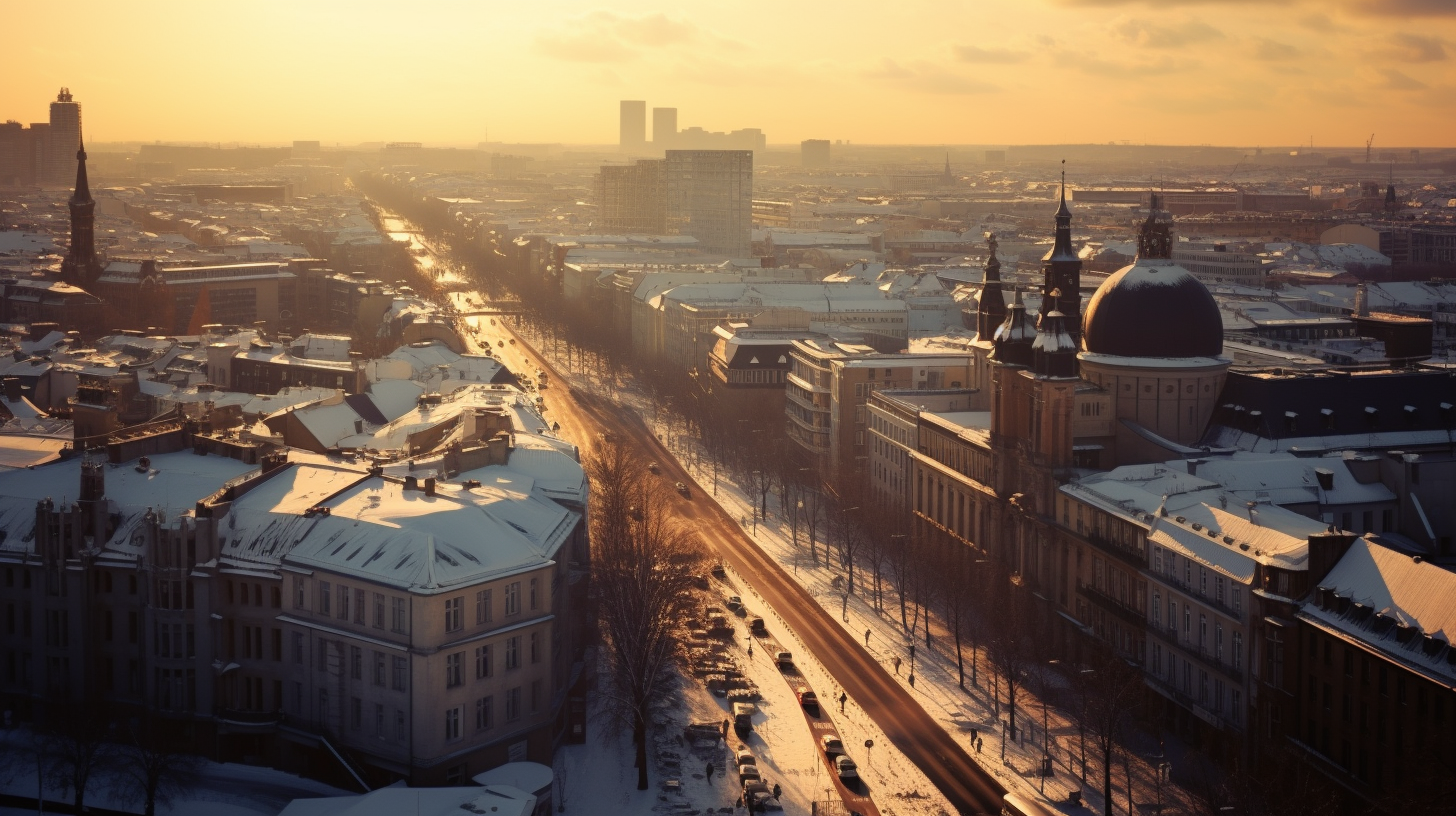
x: 1224, y: 73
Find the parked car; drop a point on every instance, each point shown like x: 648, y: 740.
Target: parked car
x: 762, y: 798
x: 683, y: 489
x: 846, y: 767
x: 719, y: 572
x: 653, y: 468
x: 756, y: 626
x: 809, y: 700
x: 785, y: 660
x: 743, y: 718
x: 831, y: 745
x: 743, y: 757
x: 748, y: 773
x: 734, y: 603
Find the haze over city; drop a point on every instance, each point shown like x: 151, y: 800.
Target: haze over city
x: 918, y: 72
x: 1040, y: 408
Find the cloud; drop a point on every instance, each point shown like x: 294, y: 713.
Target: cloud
x: 606, y: 37
x: 1152, y: 35
x: 1415, y: 48
x: 1096, y: 66
x: 1397, y: 81
x: 974, y: 53
x: 1267, y: 50
x: 925, y: 78
x: 1321, y: 23
x: 1405, y: 8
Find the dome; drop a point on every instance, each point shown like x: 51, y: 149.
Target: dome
x: 1153, y: 308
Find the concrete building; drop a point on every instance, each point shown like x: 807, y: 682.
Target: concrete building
x: 814, y: 153
x: 664, y: 128
x: 63, y: 139
x: 633, y: 125
x: 632, y: 198
x: 710, y: 197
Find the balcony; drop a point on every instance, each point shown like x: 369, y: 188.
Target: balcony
x: 1102, y: 599
x: 796, y: 380
x: 1187, y: 649
x: 1130, y: 555
x: 235, y: 720
x: 808, y: 426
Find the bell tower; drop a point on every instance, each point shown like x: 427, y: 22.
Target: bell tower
x: 1061, y: 271
x: 81, y: 267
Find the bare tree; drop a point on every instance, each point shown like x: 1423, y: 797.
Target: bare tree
x: 1010, y: 645
x: 643, y: 566
x: 152, y: 767
x: 1114, y: 690
x: 958, y: 598
x: 75, y: 737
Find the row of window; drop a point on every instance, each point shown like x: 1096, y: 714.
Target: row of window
x: 337, y: 600
x: 485, y: 659
x: 485, y: 711
x: 485, y: 604
x: 1211, y: 693
x: 1204, y: 647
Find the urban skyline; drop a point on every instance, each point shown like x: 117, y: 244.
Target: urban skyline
x: 1226, y: 73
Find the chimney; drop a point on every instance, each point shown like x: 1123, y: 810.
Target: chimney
x: 411, y: 483
x: 430, y: 486
x: 1325, y: 550
x: 1193, y: 466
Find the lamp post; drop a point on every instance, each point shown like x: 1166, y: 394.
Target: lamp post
x: 1046, y: 754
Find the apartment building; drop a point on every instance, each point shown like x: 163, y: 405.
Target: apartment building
x: 413, y: 622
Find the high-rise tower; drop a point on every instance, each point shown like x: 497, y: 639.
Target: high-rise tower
x: 64, y: 138
x: 1061, y: 271
x: 664, y: 128
x: 633, y: 124
x: 81, y: 266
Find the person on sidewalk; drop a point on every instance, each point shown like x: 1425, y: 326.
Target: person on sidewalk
x: 725, y: 731
x: 896, y: 661
x: 842, y: 698
x: 867, y: 637
x: 710, y: 773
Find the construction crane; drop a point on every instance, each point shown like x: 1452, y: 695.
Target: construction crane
x: 1368, y: 142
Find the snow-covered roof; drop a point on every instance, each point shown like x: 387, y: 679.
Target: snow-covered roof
x: 497, y: 800
x: 1413, y: 592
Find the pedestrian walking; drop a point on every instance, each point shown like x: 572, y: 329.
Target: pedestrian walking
x: 842, y: 698
x: 896, y: 661
x: 725, y: 730
x: 710, y: 773
x: 867, y: 637
x: 979, y: 742
x: 750, y: 648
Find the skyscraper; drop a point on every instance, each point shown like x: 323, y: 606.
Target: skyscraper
x: 664, y: 127
x: 64, y: 138
x: 710, y: 197
x: 633, y: 124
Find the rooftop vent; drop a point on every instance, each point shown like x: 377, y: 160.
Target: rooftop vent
x: 1326, y: 478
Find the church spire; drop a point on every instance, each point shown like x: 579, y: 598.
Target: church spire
x: 83, y: 185
x: 1062, y: 249
x: 991, y: 310
x: 1061, y: 270
x: 81, y: 266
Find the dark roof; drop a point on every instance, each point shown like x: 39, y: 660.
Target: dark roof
x: 1153, y: 308
x: 366, y: 409
x: 1345, y: 396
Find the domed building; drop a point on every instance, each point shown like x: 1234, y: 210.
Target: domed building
x: 1153, y: 341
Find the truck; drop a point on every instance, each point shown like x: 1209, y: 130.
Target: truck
x: 743, y: 718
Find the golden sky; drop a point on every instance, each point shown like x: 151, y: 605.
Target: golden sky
x: 1240, y: 72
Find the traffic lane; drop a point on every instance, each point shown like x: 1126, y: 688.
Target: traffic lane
x: 966, y: 785
x: 903, y: 721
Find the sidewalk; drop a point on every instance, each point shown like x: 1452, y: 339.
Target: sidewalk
x: 959, y: 711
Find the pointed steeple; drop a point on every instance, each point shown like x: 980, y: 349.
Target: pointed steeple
x: 991, y: 310
x: 1062, y: 249
x: 81, y: 267
x: 1054, y: 352
x: 83, y: 185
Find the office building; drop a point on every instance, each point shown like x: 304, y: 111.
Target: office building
x: 664, y: 128
x: 64, y: 140
x: 710, y: 197
x: 633, y: 124
x: 632, y: 198
x: 814, y: 152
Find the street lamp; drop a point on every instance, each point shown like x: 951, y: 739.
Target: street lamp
x: 1046, y: 754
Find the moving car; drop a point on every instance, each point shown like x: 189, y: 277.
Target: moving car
x: 831, y: 745
x: 756, y: 626
x: 653, y: 468
x: 785, y: 660
x: 683, y: 489
x: 846, y: 767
